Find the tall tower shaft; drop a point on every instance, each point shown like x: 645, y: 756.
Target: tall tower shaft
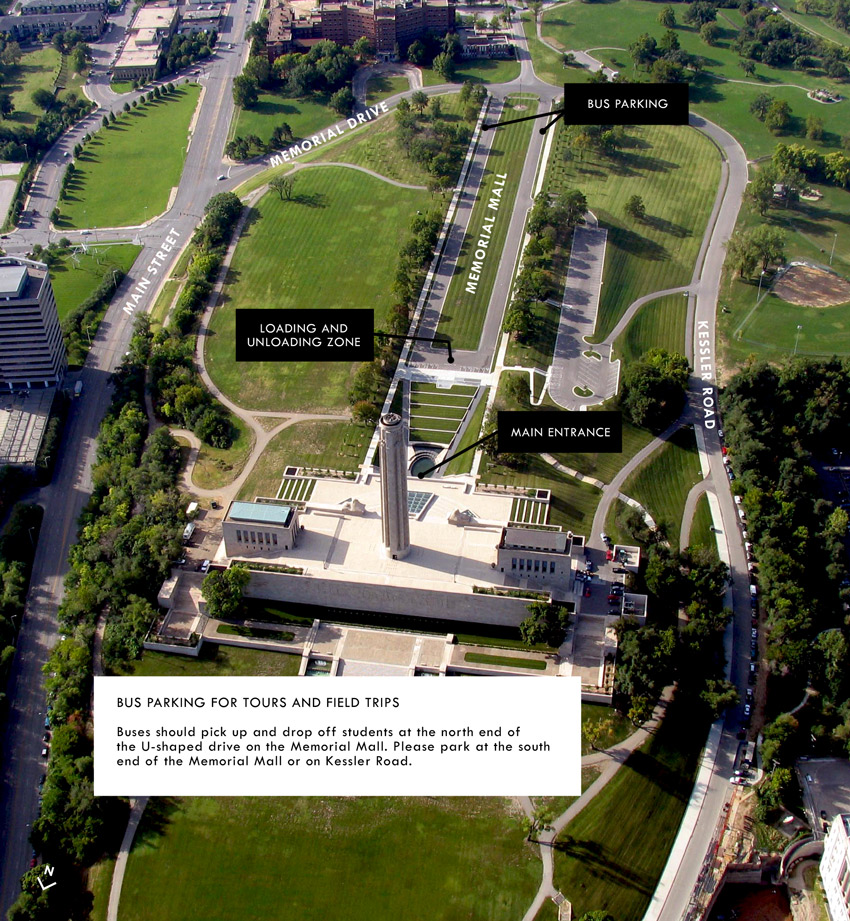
x: 392, y: 451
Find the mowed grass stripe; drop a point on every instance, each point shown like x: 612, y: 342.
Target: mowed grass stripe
x: 663, y: 482
x: 303, y: 253
x: 126, y: 172
x: 447, y: 391
x: 658, y: 324
x: 463, y: 314
x: 675, y: 170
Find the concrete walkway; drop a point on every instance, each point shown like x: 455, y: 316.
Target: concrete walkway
x: 579, y: 310
x: 690, y: 507
x: 137, y: 808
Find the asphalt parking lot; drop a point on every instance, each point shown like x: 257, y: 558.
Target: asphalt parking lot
x: 826, y: 789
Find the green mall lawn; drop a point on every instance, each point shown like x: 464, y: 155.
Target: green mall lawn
x: 658, y: 324
x: 463, y: 314
x: 304, y: 116
x: 676, y: 172
x: 147, y: 144
x: 359, y: 858
x: 334, y: 245
x: 74, y: 279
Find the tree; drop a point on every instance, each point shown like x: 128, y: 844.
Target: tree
x: 640, y: 710
x: 700, y: 12
x: 635, y: 208
x: 342, y: 101
x: 667, y: 17
x: 741, y: 253
x: 363, y: 47
x: 222, y: 589
x: 760, y: 106
x: 747, y: 66
x: 419, y: 101
x: 594, y: 731
x: 710, y: 33
x: 570, y: 208
x: 535, y: 6
x: 283, y: 186
x: 546, y: 623
x: 435, y: 107
x: 79, y: 59
x: 6, y: 105
x: 718, y: 695
x: 366, y: 412
x: 778, y: 116
x: 245, y: 92
x: 814, y: 128
x: 417, y: 52
x: 11, y: 54
x: 780, y: 739
x: 769, y: 243
x: 643, y: 50
x: 760, y: 189
x: 43, y: 98
x: 444, y: 65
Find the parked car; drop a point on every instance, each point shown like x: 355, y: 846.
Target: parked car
x: 613, y: 599
x: 205, y: 566
x: 587, y: 591
x: 754, y: 633
x: 45, y: 752
x: 605, y: 538
x: 620, y: 571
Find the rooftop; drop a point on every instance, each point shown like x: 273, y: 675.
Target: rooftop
x: 12, y: 280
x: 537, y: 539
x: 260, y: 511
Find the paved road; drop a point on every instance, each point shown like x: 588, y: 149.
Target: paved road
x: 65, y: 498
x: 579, y: 310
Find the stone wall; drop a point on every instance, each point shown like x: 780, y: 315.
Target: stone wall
x: 390, y: 599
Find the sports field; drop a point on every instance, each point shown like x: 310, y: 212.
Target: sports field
x: 463, y: 313
x: 75, y: 278
x: 304, y: 116
x: 662, y: 483
x: 610, y: 857
x: 147, y: 143
x: 334, y: 245
x: 358, y: 858
x: 675, y: 170
x: 768, y: 329
x: 658, y: 324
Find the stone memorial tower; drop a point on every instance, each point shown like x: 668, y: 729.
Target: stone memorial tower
x: 393, y: 459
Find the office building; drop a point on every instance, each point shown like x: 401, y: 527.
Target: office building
x: 835, y: 868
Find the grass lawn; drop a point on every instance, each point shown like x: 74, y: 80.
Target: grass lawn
x: 463, y: 314
x: 702, y: 528
x: 560, y: 804
x: 471, y: 434
x: 216, y: 467
x: 304, y: 252
x: 215, y: 661
x: 383, y: 86
x: 37, y: 71
x: 147, y: 143
x: 606, y: 466
x: 537, y: 352
x: 663, y: 482
x: 770, y: 330
x: 379, y: 857
x: 548, y: 912
x: 658, y: 324
x: 484, y: 658
x: 548, y: 64
x: 580, y: 26
x: 335, y: 445
x: 675, y: 171
x: 121, y: 86
x: 73, y: 283
x: 164, y: 300
x: 484, y: 71
x: 621, y: 728
x: 99, y: 884
x: 610, y: 857
x: 616, y: 514
x: 375, y: 147
x: 304, y: 116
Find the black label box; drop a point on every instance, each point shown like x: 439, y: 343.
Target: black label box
x: 559, y: 432
x: 626, y: 103
x: 305, y: 335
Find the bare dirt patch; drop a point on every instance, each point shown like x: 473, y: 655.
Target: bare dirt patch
x: 808, y: 286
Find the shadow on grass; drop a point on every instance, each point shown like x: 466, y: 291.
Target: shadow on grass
x: 637, y: 245
x: 591, y: 855
x: 155, y: 821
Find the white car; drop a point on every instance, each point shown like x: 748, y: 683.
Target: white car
x: 205, y: 566
x: 604, y: 538
x: 738, y: 500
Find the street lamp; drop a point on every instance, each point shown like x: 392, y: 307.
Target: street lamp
x: 834, y: 240
x: 797, y: 337
x: 88, y: 334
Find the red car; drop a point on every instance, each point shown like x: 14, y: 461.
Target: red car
x: 609, y: 555
x: 723, y: 450
x: 587, y: 591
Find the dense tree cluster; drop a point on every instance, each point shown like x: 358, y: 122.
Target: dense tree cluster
x: 129, y: 533
x: 778, y: 421
x: 372, y: 378
x: 754, y: 251
x: 429, y: 140
x: 550, y: 225
x: 794, y: 160
x: 649, y: 657
x: 654, y: 388
x: 774, y: 40
x: 546, y: 623
x: 184, y: 50
x: 177, y: 392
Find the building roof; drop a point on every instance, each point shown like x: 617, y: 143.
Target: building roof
x: 536, y: 539
x: 263, y: 512
x: 12, y: 280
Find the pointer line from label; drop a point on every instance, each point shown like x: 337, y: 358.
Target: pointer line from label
x: 434, y: 340
x: 445, y: 460
x: 555, y: 116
